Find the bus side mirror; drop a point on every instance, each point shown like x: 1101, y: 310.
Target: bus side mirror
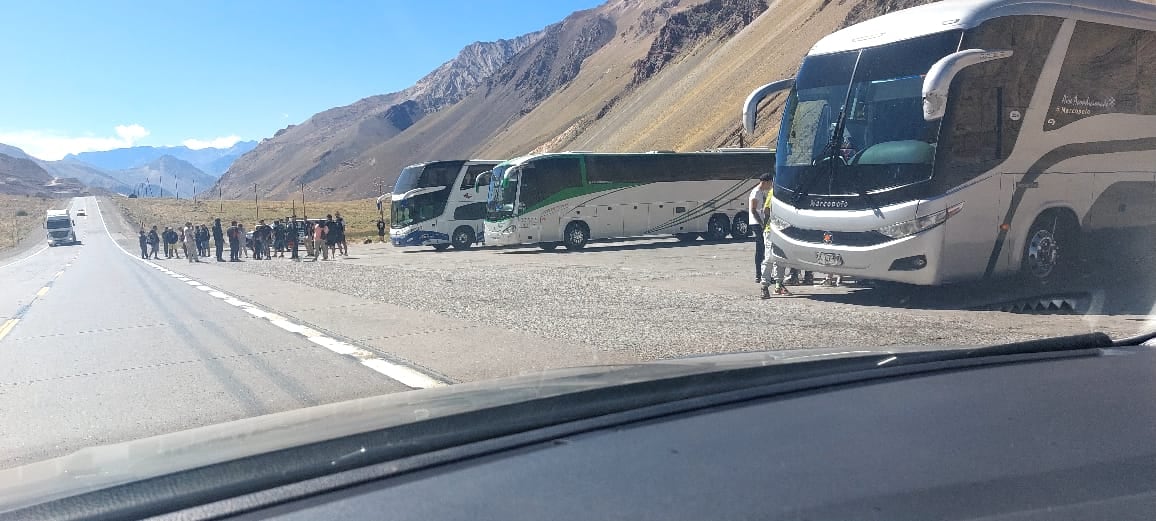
x: 751, y: 106
x: 938, y: 79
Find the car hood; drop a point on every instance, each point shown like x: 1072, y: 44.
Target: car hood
x: 110, y: 465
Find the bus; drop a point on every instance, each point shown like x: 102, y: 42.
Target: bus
x: 571, y: 198
x: 967, y: 139
x: 437, y: 204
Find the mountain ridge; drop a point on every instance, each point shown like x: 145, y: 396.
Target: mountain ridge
x: 212, y: 161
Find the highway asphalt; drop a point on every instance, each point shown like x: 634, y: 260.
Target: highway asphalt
x: 97, y: 347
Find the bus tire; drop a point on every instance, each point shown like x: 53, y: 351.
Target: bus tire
x: 717, y: 227
x: 441, y: 247
x: 1050, y: 249
x: 548, y: 246
x: 576, y: 235
x: 740, y: 226
x: 462, y: 238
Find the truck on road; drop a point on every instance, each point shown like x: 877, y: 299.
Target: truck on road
x: 60, y: 228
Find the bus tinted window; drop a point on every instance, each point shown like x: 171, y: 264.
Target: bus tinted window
x: 440, y: 174
x: 545, y: 177
x: 1102, y: 74
x: 470, y: 211
x: 661, y: 168
x: 979, y: 129
x: 472, y: 174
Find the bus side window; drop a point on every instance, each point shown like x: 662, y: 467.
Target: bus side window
x: 472, y: 173
x: 546, y: 177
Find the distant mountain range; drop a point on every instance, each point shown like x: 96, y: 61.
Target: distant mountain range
x: 212, y: 161
x: 161, y: 169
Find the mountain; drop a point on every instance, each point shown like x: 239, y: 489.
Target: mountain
x: 91, y: 176
x: 628, y: 75
x: 212, y: 161
x: 165, y: 176
x: 13, y: 152
x: 22, y: 176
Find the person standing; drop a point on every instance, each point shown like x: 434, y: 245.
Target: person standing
x: 168, y: 237
x: 244, y: 237
x: 340, y: 239
x: 190, y: 236
x: 381, y: 230
x: 755, y: 204
x: 294, y: 238
x: 772, y: 271
x: 144, y: 244
x: 218, y: 238
x: 331, y: 237
x: 319, y: 242
x: 234, y: 244
x: 154, y: 242
x: 258, y: 239
x: 279, y: 238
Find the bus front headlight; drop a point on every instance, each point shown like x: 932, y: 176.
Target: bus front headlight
x: 778, y: 224
x: 919, y: 224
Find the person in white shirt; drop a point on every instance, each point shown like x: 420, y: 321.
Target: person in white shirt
x: 755, y: 204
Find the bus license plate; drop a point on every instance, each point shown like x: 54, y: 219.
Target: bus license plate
x: 829, y: 259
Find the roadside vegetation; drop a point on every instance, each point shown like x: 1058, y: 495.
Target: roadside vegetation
x: 20, y: 216
x: 360, y: 215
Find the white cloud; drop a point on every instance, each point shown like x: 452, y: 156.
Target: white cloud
x: 51, y: 145
x: 220, y: 142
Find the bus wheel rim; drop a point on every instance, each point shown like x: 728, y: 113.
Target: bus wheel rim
x: 576, y: 235
x: 1043, y: 253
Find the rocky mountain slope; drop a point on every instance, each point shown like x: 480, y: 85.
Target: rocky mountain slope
x: 22, y: 176
x: 629, y: 75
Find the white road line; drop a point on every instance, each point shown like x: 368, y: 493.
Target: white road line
x: 15, y: 262
x: 404, y: 375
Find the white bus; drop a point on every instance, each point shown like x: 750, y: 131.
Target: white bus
x: 437, y: 204
x: 573, y: 197
x: 966, y: 139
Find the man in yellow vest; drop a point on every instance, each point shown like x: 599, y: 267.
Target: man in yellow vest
x: 772, y: 271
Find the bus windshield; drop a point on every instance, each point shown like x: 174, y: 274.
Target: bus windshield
x: 58, y: 224
x: 427, y: 175
x: 416, y: 209
x: 503, y: 192
x: 854, y: 122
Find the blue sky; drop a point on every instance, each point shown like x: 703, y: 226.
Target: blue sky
x: 84, y: 75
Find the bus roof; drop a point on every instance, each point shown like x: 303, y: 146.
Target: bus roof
x: 522, y: 159
x: 426, y: 163
x: 965, y: 14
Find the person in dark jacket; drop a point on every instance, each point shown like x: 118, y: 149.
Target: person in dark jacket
x: 154, y: 242
x: 144, y: 244
x: 218, y: 238
x: 235, y: 239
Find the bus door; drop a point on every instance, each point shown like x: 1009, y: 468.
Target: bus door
x: 635, y: 219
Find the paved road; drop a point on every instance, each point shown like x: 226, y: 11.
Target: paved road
x: 99, y: 347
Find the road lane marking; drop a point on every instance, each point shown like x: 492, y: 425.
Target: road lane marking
x: 42, y: 292
x: 8, y: 325
x: 58, y: 274
x: 401, y: 373
x: 18, y: 261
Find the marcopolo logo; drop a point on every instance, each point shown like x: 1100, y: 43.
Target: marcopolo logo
x: 828, y: 203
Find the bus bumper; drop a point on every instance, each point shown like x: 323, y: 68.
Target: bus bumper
x: 502, y: 234
x: 914, y: 259
x: 410, y: 237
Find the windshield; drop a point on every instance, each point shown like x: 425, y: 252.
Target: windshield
x: 416, y: 209
x: 443, y: 173
x: 625, y: 215
x: 503, y: 192
x: 854, y: 122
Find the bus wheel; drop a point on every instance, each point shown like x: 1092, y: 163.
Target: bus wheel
x: 740, y: 227
x: 441, y: 247
x: 548, y: 246
x: 717, y: 227
x: 577, y: 233
x: 1050, y: 248
x: 463, y: 238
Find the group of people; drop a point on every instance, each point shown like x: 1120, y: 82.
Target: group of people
x: 320, y: 238
x: 768, y: 272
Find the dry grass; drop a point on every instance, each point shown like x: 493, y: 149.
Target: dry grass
x: 16, y: 229
x: 360, y: 215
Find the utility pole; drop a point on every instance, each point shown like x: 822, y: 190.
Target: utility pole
x: 221, y: 197
x: 380, y: 194
x: 194, y: 193
x: 176, y: 189
x: 256, y: 205
x: 304, y: 215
